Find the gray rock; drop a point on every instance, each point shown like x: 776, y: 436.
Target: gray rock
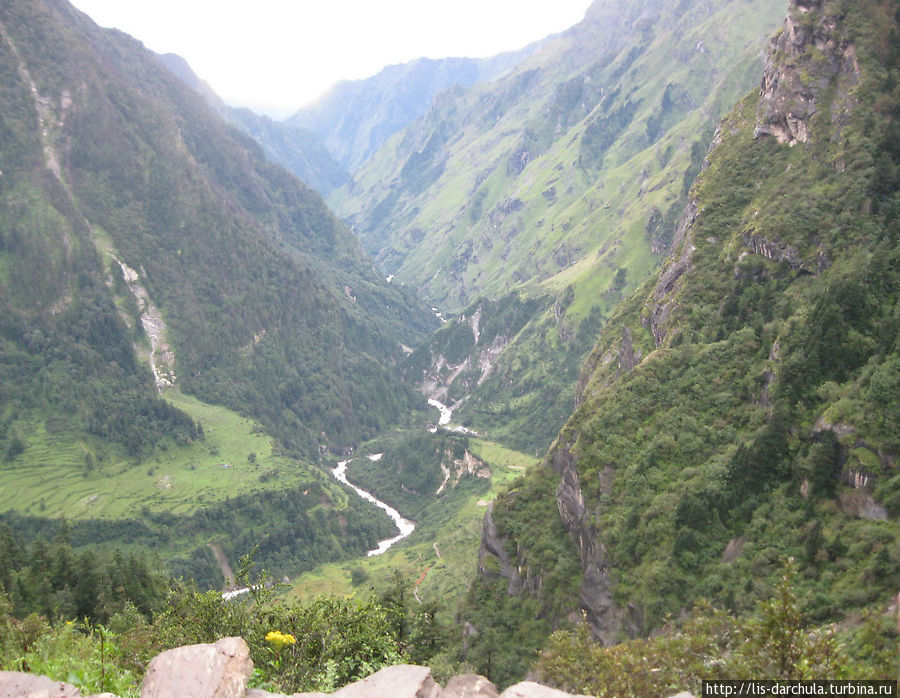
x: 221, y: 670
x: 400, y: 681
x: 530, y: 689
x: 469, y: 686
x: 259, y: 693
x: 15, y: 684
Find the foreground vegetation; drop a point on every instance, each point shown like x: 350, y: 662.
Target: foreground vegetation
x: 328, y: 641
x: 775, y: 641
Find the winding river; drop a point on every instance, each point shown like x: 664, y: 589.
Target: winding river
x: 405, y: 526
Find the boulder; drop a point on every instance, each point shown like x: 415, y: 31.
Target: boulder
x: 400, y: 681
x: 469, y: 686
x: 530, y: 689
x: 221, y: 670
x: 15, y: 684
x: 259, y: 693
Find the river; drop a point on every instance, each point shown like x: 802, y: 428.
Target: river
x: 446, y: 412
x: 405, y: 526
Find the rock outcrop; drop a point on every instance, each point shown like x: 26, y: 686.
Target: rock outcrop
x: 469, y: 686
x: 14, y: 684
x: 492, y: 547
x: 605, y: 618
x: 222, y: 670
x: 670, y: 280
x: 791, y: 92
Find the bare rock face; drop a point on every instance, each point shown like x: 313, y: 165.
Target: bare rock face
x: 400, y: 681
x: 221, y: 670
x: 595, y: 598
x: 492, y: 546
x: 671, y: 280
x: 806, y: 60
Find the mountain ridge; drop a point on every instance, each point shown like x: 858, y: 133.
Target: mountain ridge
x: 390, y: 99
x: 728, y: 418
x: 138, y: 227
x: 558, y: 185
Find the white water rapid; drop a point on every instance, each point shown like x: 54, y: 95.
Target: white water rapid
x: 405, y: 526
x: 446, y: 412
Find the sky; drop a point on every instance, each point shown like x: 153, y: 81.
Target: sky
x: 275, y: 56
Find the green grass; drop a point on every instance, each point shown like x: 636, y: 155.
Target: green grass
x: 50, y: 478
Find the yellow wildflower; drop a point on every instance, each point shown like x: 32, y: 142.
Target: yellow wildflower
x: 279, y: 639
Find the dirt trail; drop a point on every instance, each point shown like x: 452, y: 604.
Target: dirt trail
x: 224, y: 566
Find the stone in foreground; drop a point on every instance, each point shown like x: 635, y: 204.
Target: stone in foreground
x: 469, y: 686
x: 400, y: 681
x: 221, y: 670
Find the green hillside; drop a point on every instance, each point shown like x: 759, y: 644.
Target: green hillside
x: 741, y: 407
x: 555, y: 171
x: 557, y: 188
x: 146, y: 244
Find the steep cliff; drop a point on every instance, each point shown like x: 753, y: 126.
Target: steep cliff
x: 742, y: 406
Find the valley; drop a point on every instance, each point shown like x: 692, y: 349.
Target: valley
x: 579, y: 362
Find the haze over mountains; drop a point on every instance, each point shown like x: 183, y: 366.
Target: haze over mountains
x: 354, y: 118
x: 666, y: 247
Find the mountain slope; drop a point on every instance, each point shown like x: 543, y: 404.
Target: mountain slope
x: 555, y: 188
x: 229, y: 247
x: 741, y: 407
x: 566, y: 167
x: 355, y: 117
x: 146, y: 243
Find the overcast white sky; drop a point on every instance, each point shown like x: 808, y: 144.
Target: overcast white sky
x: 277, y: 55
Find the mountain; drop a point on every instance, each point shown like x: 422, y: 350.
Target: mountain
x: 170, y: 302
x: 355, y: 117
x: 741, y: 407
x: 567, y: 166
x: 555, y: 187
x: 296, y: 149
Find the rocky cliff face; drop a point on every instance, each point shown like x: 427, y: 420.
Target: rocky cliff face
x: 807, y: 59
x: 595, y: 599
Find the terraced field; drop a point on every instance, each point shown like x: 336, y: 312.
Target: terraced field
x: 71, y: 478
